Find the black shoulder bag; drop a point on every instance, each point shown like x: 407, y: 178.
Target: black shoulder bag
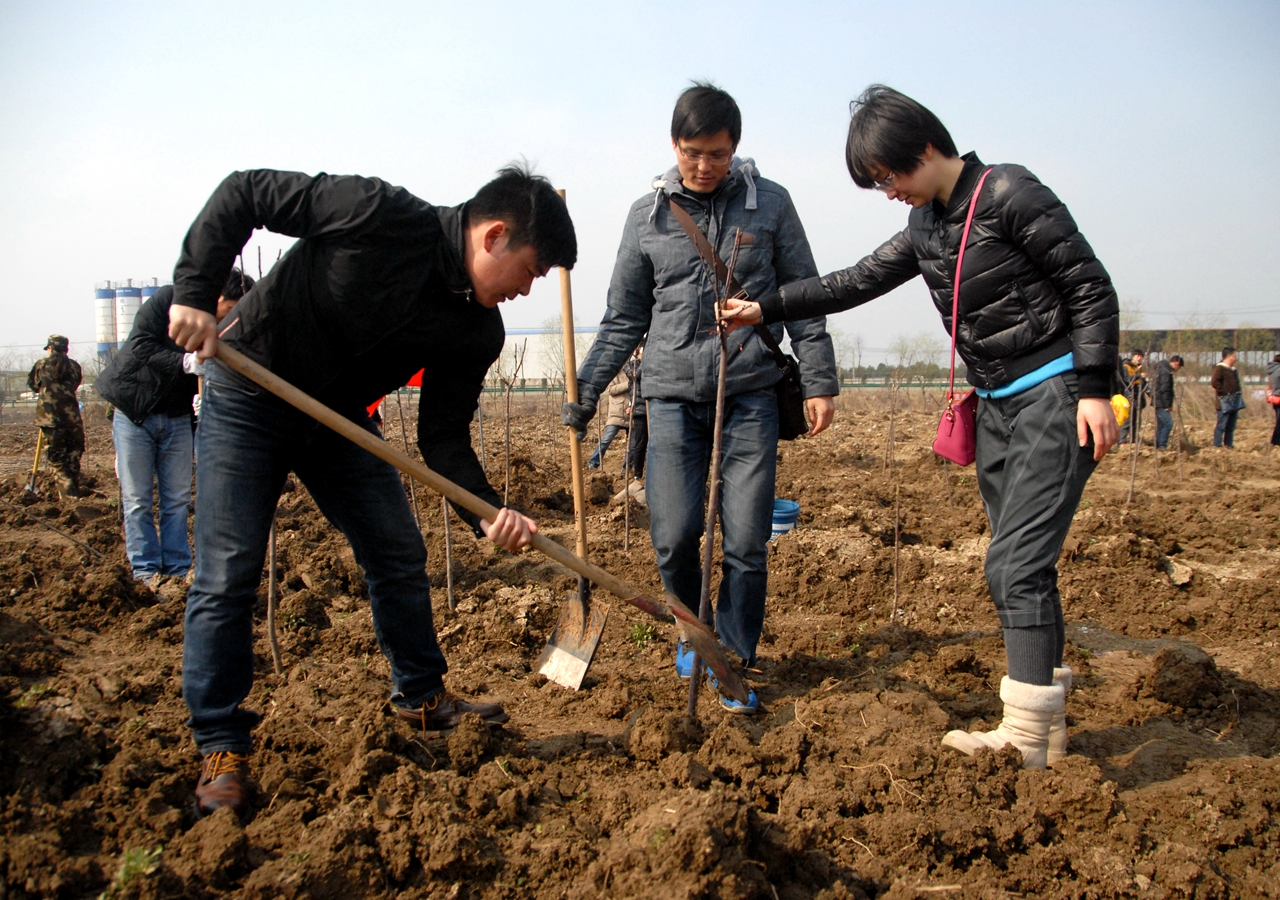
x: 791, y: 421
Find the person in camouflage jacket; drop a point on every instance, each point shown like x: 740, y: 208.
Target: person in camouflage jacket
x: 54, y: 379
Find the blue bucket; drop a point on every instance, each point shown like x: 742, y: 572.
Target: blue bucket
x: 786, y: 513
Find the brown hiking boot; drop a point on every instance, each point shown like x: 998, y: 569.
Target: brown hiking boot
x: 443, y: 712
x: 224, y: 781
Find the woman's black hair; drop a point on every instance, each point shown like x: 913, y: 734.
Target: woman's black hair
x: 889, y: 130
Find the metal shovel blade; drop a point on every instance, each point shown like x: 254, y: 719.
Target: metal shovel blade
x: 573, y: 640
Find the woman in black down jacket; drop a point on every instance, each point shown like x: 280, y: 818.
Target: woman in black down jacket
x: 1039, y: 331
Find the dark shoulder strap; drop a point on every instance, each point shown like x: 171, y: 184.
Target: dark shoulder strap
x: 712, y: 259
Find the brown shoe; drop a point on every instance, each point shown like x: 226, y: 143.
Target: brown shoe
x: 224, y: 781
x: 443, y: 712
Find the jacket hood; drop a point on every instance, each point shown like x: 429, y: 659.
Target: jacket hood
x: 742, y: 171
x: 1273, y: 367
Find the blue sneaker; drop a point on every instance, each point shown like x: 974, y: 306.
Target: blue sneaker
x: 750, y: 708
x: 684, y: 660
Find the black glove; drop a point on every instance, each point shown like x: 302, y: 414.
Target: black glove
x: 577, y: 415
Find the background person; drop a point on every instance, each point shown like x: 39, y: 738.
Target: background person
x: 1162, y: 399
x: 54, y: 379
x: 1273, y: 390
x: 619, y: 393
x: 1227, y: 398
x: 380, y: 285
x: 1134, y: 375
x: 661, y: 286
x: 1038, y: 328
x: 152, y: 382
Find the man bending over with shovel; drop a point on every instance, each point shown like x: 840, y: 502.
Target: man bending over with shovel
x: 380, y: 285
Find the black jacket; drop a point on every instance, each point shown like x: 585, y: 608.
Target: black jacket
x: 375, y: 290
x: 145, y: 376
x: 1162, y: 392
x: 1031, y: 288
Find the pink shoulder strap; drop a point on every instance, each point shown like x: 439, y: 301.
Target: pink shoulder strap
x: 955, y: 293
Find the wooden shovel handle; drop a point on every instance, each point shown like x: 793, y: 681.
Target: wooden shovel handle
x: 670, y: 607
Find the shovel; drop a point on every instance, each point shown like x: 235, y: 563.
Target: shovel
x: 669, y: 608
x: 577, y: 632
x: 31, y: 484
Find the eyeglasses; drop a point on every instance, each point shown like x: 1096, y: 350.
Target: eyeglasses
x: 715, y: 159
x: 886, y: 185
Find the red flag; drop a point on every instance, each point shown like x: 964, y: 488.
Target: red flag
x: 415, y: 381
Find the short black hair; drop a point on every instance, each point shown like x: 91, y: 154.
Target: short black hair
x: 1178, y: 359
x: 238, y: 284
x: 1227, y: 351
x: 704, y: 110
x: 533, y: 212
x: 1142, y: 353
x: 889, y: 130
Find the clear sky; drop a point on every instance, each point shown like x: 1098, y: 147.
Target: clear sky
x: 1156, y: 122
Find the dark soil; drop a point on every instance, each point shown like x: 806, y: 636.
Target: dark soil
x: 840, y: 789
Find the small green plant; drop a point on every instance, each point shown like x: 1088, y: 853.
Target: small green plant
x: 291, y: 621
x: 1085, y: 503
x: 659, y: 837
x: 641, y: 634
x: 855, y: 650
x: 32, y: 695
x: 135, y: 862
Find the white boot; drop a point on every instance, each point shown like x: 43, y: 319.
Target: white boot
x: 1028, y: 712
x: 1058, y: 727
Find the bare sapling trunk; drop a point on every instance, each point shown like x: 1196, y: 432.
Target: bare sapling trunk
x: 509, y: 384
x: 276, y: 662
x: 713, y: 500
x: 448, y: 554
x: 627, y: 463
x: 1182, y: 433
x: 480, y: 418
x: 404, y: 440
x: 897, y: 540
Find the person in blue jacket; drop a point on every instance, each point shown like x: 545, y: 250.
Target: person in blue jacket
x: 662, y: 286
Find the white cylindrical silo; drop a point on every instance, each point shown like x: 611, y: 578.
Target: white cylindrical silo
x: 128, y: 299
x: 104, y: 318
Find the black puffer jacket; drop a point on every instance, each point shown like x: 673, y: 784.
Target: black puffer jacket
x: 1031, y: 289
x: 146, y: 375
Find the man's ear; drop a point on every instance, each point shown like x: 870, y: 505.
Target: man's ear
x: 492, y: 233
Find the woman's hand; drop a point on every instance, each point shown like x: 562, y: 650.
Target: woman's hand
x: 509, y: 529
x: 739, y: 313
x: 1095, y: 415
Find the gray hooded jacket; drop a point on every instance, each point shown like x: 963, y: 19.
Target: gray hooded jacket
x: 662, y: 287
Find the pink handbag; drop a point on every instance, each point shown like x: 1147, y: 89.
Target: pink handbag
x: 957, y: 433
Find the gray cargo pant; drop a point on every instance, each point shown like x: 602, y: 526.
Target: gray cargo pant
x: 1031, y: 472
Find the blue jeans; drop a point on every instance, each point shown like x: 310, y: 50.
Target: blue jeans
x: 1224, y: 433
x: 248, y: 442
x: 680, y: 436
x: 606, y: 438
x: 1164, y: 428
x: 159, y: 451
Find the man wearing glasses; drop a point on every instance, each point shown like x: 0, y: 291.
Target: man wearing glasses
x: 662, y: 287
